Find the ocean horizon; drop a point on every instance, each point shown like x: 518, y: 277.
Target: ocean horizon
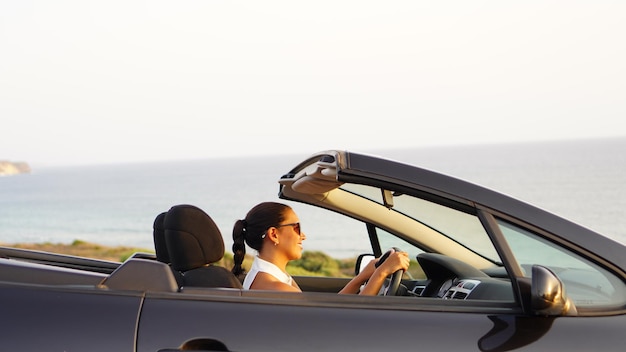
x: 582, y: 181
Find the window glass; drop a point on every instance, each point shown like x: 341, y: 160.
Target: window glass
x: 457, y: 225
x: 461, y: 227
x: 586, y: 283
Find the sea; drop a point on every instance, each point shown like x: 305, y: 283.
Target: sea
x: 115, y: 204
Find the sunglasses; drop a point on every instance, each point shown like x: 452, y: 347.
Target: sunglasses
x: 295, y: 225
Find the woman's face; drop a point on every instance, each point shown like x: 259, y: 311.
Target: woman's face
x: 290, y: 235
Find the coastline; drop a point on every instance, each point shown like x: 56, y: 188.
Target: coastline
x: 9, y: 168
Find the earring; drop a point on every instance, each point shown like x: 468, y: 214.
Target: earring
x: 275, y: 243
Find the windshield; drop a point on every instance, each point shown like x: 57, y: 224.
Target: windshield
x: 463, y: 228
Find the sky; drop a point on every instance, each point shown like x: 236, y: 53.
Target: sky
x: 93, y: 82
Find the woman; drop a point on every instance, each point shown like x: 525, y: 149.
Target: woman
x: 273, y: 229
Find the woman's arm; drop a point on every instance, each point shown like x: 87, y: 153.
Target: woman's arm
x: 354, y: 285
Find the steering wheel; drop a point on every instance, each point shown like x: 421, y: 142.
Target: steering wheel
x: 394, y: 281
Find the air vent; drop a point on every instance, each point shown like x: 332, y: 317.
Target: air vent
x: 460, y: 295
x: 417, y: 290
x: 462, y: 289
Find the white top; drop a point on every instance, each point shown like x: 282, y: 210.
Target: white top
x: 263, y: 266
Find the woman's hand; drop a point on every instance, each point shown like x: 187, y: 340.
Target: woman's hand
x: 397, y: 260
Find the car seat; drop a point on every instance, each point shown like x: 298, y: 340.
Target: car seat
x: 160, y: 247
x: 194, y: 244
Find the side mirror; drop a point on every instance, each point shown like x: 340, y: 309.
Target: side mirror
x: 362, y: 261
x: 548, y: 296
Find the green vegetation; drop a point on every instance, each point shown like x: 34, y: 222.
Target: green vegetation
x: 315, y: 263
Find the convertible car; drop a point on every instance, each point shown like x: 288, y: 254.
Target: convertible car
x: 495, y: 274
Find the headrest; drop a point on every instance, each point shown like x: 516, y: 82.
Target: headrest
x: 193, y: 239
x: 158, y: 233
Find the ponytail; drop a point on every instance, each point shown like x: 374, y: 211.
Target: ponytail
x: 239, y: 247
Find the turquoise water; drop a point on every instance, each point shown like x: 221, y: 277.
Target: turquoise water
x: 116, y: 204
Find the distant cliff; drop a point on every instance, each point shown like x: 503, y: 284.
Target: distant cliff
x: 13, y: 168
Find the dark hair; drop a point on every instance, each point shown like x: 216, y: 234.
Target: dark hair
x: 253, y: 227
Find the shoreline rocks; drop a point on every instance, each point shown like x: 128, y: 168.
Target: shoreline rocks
x: 13, y: 168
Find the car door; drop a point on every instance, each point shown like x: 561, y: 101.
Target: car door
x: 264, y: 321
x: 67, y: 318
